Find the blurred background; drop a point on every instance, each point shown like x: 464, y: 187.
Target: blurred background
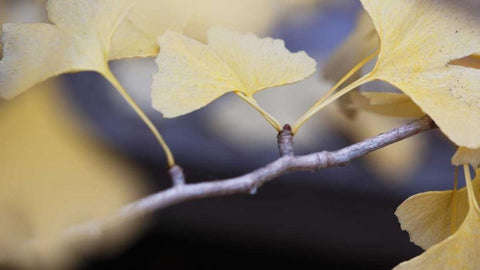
x: 72, y: 150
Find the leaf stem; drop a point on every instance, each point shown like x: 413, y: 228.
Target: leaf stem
x: 313, y: 110
x: 270, y: 119
x: 454, y: 203
x: 115, y: 83
x: 347, y: 76
x: 319, y: 106
x: 472, y: 201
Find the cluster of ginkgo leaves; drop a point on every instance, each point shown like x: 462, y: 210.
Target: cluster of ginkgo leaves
x: 414, y: 42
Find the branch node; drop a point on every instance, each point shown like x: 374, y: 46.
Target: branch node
x: 177, y: 175
x: 285, y: 141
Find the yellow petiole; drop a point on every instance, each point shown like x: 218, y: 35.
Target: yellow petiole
x: 320, y: 103
x: 270, y: 119
x: 472, y: 201
x: 113, y: 80
x: 454, y: 204
x: 317, y: 107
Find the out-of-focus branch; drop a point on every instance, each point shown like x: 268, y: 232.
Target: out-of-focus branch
x: 250, y: 182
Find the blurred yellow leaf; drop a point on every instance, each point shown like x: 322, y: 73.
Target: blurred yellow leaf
x: 418, y: 40
x: 385, y: 103
x: 256, y: 16
x: 426, y: 216
x: 294, y: 3
x: 148, y: 19
x: 466, y: 156
x: 192, y: 74
x: 53, y: 175
x: 137, y: 35
x: 77, y: 40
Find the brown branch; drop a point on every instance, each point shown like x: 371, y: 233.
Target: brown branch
x: 250, y: 182
x: 285, y: 141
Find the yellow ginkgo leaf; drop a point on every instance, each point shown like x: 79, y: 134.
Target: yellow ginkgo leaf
x: 386, y: 103
x: 427, y: 217
x: 418, y: 40
x: 459, y: 250
x: 192, y: 74
x: 77, y: 40
x: 466, y: 156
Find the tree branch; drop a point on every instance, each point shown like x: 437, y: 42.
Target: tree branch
x: 285, y: 141
x: 250, y: 182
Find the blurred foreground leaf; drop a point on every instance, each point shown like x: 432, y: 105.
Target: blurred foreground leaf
x: 53, y: 175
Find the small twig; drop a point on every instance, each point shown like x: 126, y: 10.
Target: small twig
x: 253, y: 180
x: 285, y: 141
x: 177, y: 175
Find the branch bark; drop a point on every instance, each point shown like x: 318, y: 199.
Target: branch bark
x: 250, y: 182
x: 285, y: 141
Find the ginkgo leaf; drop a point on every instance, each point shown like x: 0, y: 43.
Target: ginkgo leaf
x: 466, y: 156
x: 192, y: 74
x: 427, y: 217
x: 418, y: 40
x: 459, y: 250
x: 386, y: 103
x: 77, y: 40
